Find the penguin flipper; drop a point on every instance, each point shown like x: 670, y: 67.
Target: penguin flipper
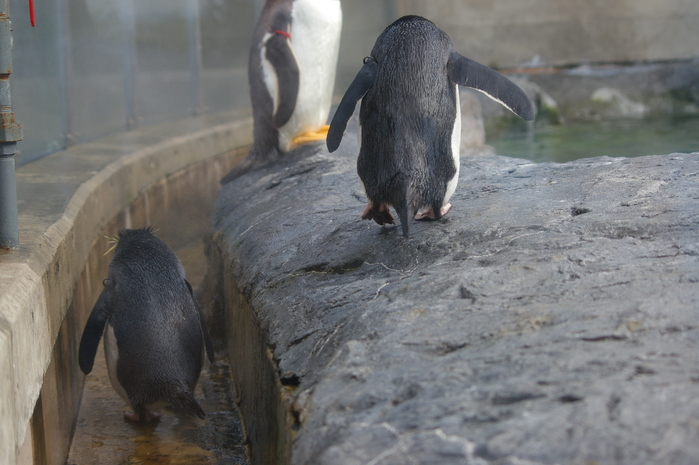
x: 208, y: 343
x: 95, y: 327
x: 281, y: 56
x: 355, y: 92
x: 466, y: 72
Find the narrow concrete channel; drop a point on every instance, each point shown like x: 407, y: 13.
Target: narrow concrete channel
x: 103, y: 437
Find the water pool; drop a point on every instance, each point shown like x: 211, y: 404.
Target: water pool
x: 614, y: 138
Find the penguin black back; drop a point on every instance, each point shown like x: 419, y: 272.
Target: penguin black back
x: 410, y: 110
x: 410, y: 119
x: 149, y: 308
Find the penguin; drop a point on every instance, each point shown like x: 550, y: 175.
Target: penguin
x: 155, y: 335
x: 410, y: 119
x: 291, y: 73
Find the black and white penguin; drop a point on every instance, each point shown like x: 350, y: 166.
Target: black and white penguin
x: 155, y: 336
x: 410, y: 119
x: 291, y: 72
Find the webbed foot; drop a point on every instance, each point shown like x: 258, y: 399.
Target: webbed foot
x: 310, y: 136
x: 381, y: 215
x: 429, y: 213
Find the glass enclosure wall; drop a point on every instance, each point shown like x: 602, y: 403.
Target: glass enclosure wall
x: 96, y: 67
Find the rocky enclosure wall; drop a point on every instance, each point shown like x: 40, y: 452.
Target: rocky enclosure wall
x: 551, y: 317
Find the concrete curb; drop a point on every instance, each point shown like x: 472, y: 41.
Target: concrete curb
x: 37, y: 281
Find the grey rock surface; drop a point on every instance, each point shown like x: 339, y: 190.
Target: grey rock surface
x: 551, y: 317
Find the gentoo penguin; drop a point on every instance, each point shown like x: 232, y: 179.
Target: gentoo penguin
x: 410, y: 119
x: 155, y: 334
x: 291, y: 72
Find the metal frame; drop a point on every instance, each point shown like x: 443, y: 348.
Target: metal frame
x: 10, y: 133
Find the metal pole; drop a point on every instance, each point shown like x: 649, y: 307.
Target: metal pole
x: 128, y: 24
x: 258, y: 4
x: 10, y: 133
x: 65, y: 71
x: 392, y: 10
x: 195, y: 60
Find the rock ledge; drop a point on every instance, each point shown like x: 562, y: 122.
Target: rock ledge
x: 551, y: 317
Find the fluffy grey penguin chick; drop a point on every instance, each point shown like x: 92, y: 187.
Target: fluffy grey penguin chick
x: 155, y: 334
x: 410, y: 119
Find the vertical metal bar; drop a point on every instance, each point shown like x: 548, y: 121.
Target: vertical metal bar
x: 10, y: 133
x: 9, y: 229
x: 128, y: 22
x: 258, y: 4
x: 392, y: 10
x: 195, y: 60
x: 65, y: 71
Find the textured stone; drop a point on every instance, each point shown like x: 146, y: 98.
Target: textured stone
x: 550, y: 317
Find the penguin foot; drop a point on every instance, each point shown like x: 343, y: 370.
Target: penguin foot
x: 310, y: 136
x: 381, y: 215
x: 429, y: 213
x: 145, y: 416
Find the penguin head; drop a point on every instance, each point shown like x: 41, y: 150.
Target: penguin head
x: 127, y: 237
x: 140, y: 249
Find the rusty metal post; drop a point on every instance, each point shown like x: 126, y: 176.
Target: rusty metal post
x: 10, y: 133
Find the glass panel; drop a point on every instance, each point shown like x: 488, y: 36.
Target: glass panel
x: 225, y: 37
x: 95, y: 71
x: 163, y: 77
x: 362, y: 23
x: 130, y: 63
x: 38, y: 96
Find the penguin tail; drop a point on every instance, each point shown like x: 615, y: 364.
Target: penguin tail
x: 406, y: 206
x: 405, y: 218
x: 185, y: 403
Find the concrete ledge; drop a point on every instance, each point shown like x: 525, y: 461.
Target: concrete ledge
x: 549, y: 318
x: 65, y: 200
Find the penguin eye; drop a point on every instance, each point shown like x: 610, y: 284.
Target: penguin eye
x: 368, y: 59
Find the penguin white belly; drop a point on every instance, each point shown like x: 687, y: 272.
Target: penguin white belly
x: 111, y: 354
x: 315, y: 38
x: 455, y: 147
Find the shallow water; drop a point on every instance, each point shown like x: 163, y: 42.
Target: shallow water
x: 614, y: 138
